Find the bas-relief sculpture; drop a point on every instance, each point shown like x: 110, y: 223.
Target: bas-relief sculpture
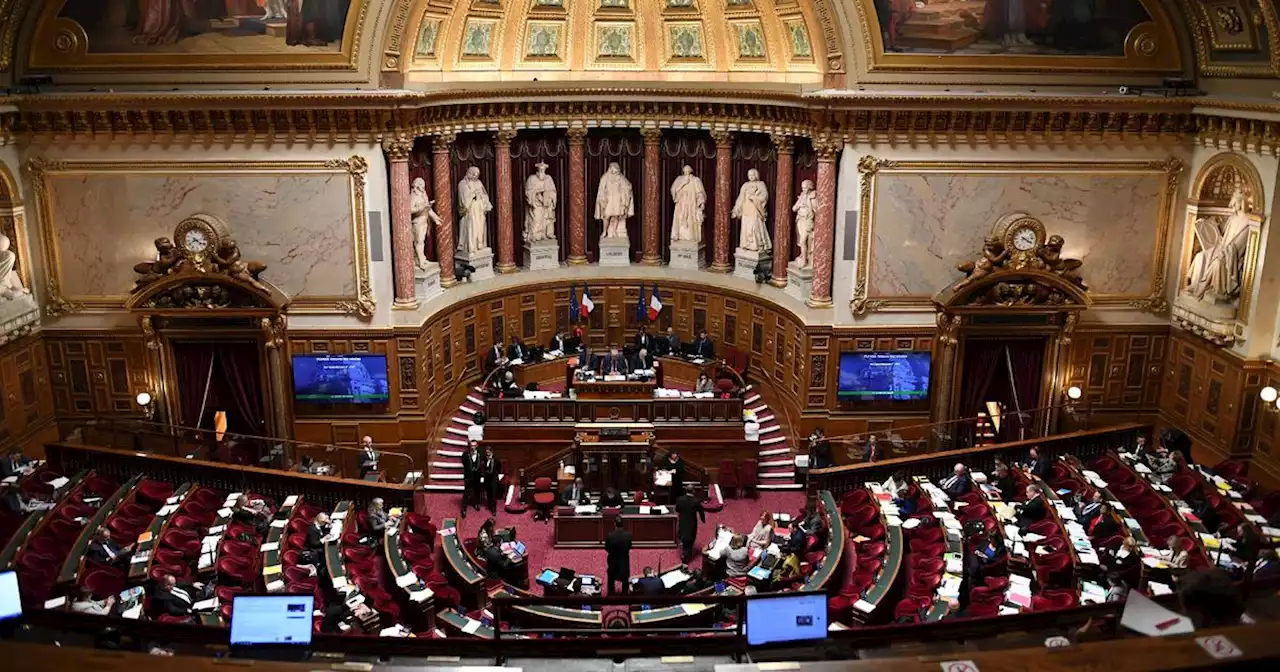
x: 752, y: 208
x: 210, y: 26
x: 473, y: 208
x: 424, y: 219
x: 921, y: 220
x: 18, y: 310
x: 806, y: 209
x: 540, y: 206
x: 10, y: 284
x: 1009, y: 27
x: 1017, y: 242
x: 615, y: 203
x: 300, y: 224
x: 1217, y: 267
x: 690, y: 198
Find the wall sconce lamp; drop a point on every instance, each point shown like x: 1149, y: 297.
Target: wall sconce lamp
x: 1074, y: 393
x: 1271, y: 398
x: 1072, y: 407
x: 144, y: 400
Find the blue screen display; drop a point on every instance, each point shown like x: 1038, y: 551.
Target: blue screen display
x: 272, y: 619
x: 796, y: 617
x: 340, y: 379
x: 892, y: 376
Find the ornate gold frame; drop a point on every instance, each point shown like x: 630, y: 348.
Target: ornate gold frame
x: 362, y: 303
x: 1150, y: 48
x: 59, y: 44
x: 1202, y: 39
x: 871, y: 167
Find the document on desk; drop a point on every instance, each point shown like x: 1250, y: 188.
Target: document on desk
x: 1147, y: 617
x: 205, y: 605
x: 864, y: 606
x: 421, y: 595
x: 674, y: 578
x: 290, y: 500
x: 407, y: 579
x: 472, y: 626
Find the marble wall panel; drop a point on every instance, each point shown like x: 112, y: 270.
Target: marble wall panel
x: 299, y: 225
x: 926, y: 223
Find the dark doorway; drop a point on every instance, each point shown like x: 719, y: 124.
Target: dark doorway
x: 220, y: 376
x: 1007, y: 371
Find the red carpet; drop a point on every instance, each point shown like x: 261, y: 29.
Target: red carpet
x: 739, y: 514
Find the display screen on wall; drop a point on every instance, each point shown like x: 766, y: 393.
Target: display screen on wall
x: 884, y: 376
x: 340, y: 379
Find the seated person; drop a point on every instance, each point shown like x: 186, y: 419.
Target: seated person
x: 650, y: 583
x: 762, y: 534
x: 1203, y: 509
x: 246, y: 513
x: 1163, y: 466
x: 789, y: 568
x: 1174, y: 554
x: 1033, y: 510
x: 170, y: 598
x: 808, y: 523
x: 19, y: 503
x: 1123, y: 558
x: 85, y: 603
x: 1117, y: 591
x: 704, y: 384
x: 703, y: 347
x: 338, y: 617
x: 1141, y: 451
x: 1089, y: 508
x: 486, y: 537
x: 1104, y: 524
x: 377, y: 518
x: 1037, y: 465
x: 496, y: 562
x: 313, y: 545
x: 1004, y: 482
x: 505, y: 384
x: 907, y: 496
x: 105, y: 551
x: 614, y: 364
x: 643, y: 340
x: 585, y: 359
x: 958, y: 483
x: 668, y: 344
x: 737, y: 560
x: 575, y: 494
x: 14, y: 464
x: 559, y: 343
x: 641, y: 361
x: 517, y: 350
x: 306, y: 465
x: 611, y: 498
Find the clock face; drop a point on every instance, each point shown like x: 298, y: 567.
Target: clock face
x: 1025, y: 239
x: 196, y: 240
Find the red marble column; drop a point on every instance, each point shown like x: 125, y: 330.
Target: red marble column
x: 720, y: 256
x: 782, y: 198
x: 652, y: 227
x: 828, y: 151
x: 577, y: 196
x: 440, y: 170
x: 402, y: 265
x: 506, y: 228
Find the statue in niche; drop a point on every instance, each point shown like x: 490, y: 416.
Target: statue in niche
x: 614, y: 203
x: 539, y: 206
x: 690, y: 197
x: 10, y: 284
x: 1217, y: 269
x: 473, y: 206
x: 806, y: 209
x: 420, y: 206
x: 752, y: 208
x: 167, y: 260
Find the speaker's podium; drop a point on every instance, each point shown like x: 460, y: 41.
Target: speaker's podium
x: 616, y: 454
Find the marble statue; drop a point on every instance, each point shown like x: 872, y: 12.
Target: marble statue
x: 473, y: 207
x: 1217, y: 269
x: 539, y: 206
x: 752, y: 209
x: 614, y: 203
x: 424, y: 217
x: 691, y: 202
x: 806, y: 209
x: 10, y: 284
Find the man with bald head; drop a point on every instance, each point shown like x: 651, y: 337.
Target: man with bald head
x: 958, y: 483
x: 368, y: 457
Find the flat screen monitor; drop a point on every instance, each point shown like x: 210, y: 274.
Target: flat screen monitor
x: 786, y: 617
x: 340, y: 379
x: 271, y: 620
x: 884, y: 376
x: 10, y: 599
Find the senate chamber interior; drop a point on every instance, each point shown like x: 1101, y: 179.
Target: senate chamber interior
x: 723, y: 335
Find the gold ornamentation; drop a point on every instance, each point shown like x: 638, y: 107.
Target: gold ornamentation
x: 441, y: 143
x: 149, y: 332
x: 397, y: 149
x: 504, y: 136
x: 783, y: 143
x: 1211, y: 33
x: 273, y: 328
x: 948, y: 326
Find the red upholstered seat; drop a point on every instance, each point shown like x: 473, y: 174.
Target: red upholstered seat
x: 170, y: 618
x: 422, y: 525
x: 862, y: 516
x: 227, y: 594
x: 103, y: 583
x: 297, y: 525
x: 1053, y: 599
x: 153, y: 492
x: 100, y: 485
x: 544, y: 498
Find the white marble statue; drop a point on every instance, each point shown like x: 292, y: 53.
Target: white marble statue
x: 806, y: 209
x: 424, y: 217
x: 473, y: 207
x: 614, y: 203
x: 753, y: 209
x: 539, y: 206
x: 691, y: 203
x: 1216, y: 270
x: 10, y: 284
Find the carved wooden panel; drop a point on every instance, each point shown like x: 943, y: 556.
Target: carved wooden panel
x: 1118, y: 367
x: 1204, y: 392
x: 26, y: 401
x: 97, y: 373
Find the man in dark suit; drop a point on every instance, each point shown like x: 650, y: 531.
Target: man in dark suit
x: 617, y: 544
x: 368, y: 457
x: 676, y: 465
x: 614, y: 363
x: 313, y: 545
x: 641, y: 361
x: 13, y: 464
x: 643, y: 340
x: 1104, y: 524
x: 1203, y: 508
x: 575, y: 494
x: 471, y: 464
x: 871, y: 450
x: 558, y: 343
x: 104, y: 551
x: 585, y: 359
x: 496, y: 357
x: 1089, y: 509
x: 516, y: 350
x: 490, y: 470
x: 1033, y: 510
x: 703, y: 347
x: 1004, y: 482
x: 690, y: 511
x: 958, y: 483
x: 650, y: 583
x: 1037, y: 465
x: 669, y: 344
x: 172, y: 599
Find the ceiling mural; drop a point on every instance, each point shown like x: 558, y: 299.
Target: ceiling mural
x: 194, y: 34
x: 1234, y: 38
x: 1033, y: 36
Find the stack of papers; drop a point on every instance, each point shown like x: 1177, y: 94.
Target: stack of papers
x: 1019, y: 591
x: 407, y: 579
x: 864, y: 606
x: 950, y: 587
x: 1092, y: 593
x: 421, y: 595
x: 290, y: 500
x: 210, y: 604
x: 674, y: 578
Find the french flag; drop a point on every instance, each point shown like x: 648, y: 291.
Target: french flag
x: 655, y: 304
x: 587, y: 304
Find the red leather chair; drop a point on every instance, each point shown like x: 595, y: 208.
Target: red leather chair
x: 153, y: 493
x: 134, y: 510
x: 64, y: 530
x: 928, y: 565
x: 1183, y: 484
x: 544, y: 498
x: 727, y: 477
x: 207, y: 497
x: 181, y: 540
x: 1053, y: 599
x: 101, y: 486
x: 422, y: 525
x: 861, y: 517
x: 307, y: 511
x: 103, y: 583
x: 171, y: 618
x: 351, y: 553
x: 296, y: 540
x: 227, y: 594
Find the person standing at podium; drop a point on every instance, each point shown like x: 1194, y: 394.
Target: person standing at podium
x: 615, y: 364
x: 516, y: 350
x: 703, y: 347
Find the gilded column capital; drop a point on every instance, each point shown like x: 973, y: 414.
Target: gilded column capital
x: 652, y: 136
x: 442, y: 142
x: 782, y: 143
x: 397, y: 149
x: 724, y: 139
x: 504, y: 136
x: 577, y: 134
x: 827, y: 147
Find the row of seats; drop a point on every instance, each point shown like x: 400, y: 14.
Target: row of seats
x: 923, y: 563
x: 131, y: 517
x: 47, y: 548
x: 863, y: 560
x: 1153, y: 512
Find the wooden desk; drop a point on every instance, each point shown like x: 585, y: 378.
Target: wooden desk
x: 71, y: 566
x: 614, y: 390
x: 589, y: 531
x: 141, y: 570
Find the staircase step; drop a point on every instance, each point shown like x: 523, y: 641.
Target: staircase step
x: 463, y: 421
x: 474, y: 400
x: 446, y: 465
x: 763, y: 418
x: 770, y: 428
x: 780, y: 486
x: 759, y: 409
x: 469, y: 411
x: 448, y: 453
x: 453, y: 442
x: 777, y: 474
x: 777, y: 463
x: 438, y: 476
x: 455, y: 430
x: 477, y: 388
x: 442, y: 487
x: 766, y: 442
x: 763, y: 453
x: 751, y: 399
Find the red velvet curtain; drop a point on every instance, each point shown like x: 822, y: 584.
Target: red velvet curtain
x: 237, y: 366
x: 528, y: 149
x: 697, y: 150
x: 420, y: 165
x: 987, y: 377
x: 626, y: 147
x: 476, y: 149
x: 753, y: 150
x: 1026, y: 361
x: 193, y: 362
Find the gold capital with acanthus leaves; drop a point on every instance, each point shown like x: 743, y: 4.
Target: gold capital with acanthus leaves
x: 397, y: 149
x: 442, y: 142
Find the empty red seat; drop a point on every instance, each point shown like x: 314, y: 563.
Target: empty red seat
x: 181, y: 540
x: 1053, y: 599
x: 153, y: 492
x: 422, y: 525
x: 103, y: 583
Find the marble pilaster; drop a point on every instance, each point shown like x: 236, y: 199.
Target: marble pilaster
x: 402, y: 264
x: 785, y: 148
x: 652, y: 224
x: 441, y: 171
x: 577, y: 196
x: 828, y: 151
x: 506, y: 227
x: 724, y: 199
